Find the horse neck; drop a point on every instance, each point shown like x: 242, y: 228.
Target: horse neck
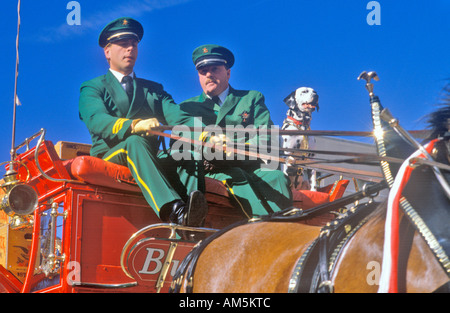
x: 358, y: 267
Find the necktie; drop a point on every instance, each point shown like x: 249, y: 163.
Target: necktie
x: 128, y: 81
x: 216, y: 101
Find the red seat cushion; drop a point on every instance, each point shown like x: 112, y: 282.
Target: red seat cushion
x: 307, y: 199
x: 98, y: 172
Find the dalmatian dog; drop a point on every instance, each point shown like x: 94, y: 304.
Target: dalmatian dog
x: 301, y: 102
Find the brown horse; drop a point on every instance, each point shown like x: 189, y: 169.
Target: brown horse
x: 256, y: 257
x: 358, y: 267
x: 281, y: 255
x: 261, y: 257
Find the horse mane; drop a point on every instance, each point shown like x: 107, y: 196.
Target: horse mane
x: 439, y: 121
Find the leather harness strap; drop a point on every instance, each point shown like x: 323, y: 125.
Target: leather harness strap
x: 186, y: 269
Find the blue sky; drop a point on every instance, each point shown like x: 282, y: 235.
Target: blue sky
x: 279, y: 45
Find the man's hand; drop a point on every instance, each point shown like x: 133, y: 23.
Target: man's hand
x: 144, y: 126
x: 221, y: 141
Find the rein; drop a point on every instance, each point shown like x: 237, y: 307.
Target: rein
x: 357, y: 157
x: 297, y: 160
x: 293, y: 132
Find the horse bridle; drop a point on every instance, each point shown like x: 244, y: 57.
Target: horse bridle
x: 380, y: 116
x: 335, y: 235
x: 185, y: 271
x: 308, y: 275
x: 333, y: 239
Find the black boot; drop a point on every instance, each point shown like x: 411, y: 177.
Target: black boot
x: 198, y: 209
x: 178, y: 213
x: 192, y: 214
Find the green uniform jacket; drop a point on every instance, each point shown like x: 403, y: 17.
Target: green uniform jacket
x: 257, y: 191
x: 107, y: 112
x: 241, y: 107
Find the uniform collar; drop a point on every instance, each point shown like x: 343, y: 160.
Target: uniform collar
x: 120, y: 76
x: 222, y: 96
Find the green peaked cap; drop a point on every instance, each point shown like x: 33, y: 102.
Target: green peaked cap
x: 212, y: 54
x: 121, y: 28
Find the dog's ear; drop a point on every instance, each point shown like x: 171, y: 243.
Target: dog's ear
x: 317, y: 102
x: 290, y: 100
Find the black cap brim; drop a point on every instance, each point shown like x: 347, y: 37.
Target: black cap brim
x: 209, y: 61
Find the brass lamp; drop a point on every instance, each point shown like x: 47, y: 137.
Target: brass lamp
x: 19, y: 201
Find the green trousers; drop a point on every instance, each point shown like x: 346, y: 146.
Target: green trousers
x: 254, y: 190
x: 258, y: 191
x: 157, y: 176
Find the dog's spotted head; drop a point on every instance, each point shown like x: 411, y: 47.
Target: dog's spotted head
x: 304, y: 99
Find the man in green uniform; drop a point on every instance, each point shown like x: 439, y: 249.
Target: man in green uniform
x: 257, y: 190
x: 119, y: 109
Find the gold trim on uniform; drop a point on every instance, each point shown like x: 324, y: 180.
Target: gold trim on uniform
x: 118, y: 125
x: 134, y: 169
x: 227, y: 185
x: 203, y: 136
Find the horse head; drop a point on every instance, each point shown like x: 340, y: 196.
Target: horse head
x: 419, y: 185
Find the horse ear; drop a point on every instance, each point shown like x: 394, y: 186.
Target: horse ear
x: 290, y: 100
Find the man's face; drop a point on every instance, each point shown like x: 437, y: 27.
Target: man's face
x: 122, y: 55
x: 214, y: 79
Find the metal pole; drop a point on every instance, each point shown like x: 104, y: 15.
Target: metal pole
x: 15, y: 84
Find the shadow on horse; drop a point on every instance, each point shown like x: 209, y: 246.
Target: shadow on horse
x: 279, y: 254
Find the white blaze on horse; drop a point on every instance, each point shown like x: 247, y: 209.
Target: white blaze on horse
x: 301, y: 102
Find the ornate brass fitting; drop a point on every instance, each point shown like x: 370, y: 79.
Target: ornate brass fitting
x: 368, y: 76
